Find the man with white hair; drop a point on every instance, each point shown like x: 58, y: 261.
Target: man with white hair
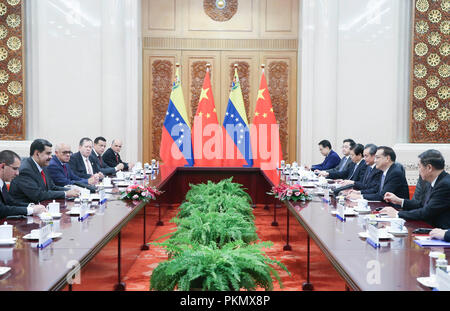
x: 60, y: 170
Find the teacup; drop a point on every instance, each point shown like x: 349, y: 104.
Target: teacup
x: 397, y: 224
x: 363, y: 204
x: 107, y: 181
x: 6, y: 231
x: 53, y: 208
x: 120, y: 175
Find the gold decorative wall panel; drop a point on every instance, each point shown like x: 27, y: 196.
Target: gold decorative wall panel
x: 429, y: 113
x: 12, y: 98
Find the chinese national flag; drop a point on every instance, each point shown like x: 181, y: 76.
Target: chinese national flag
x: 206, y: 132
x: 265, y: 131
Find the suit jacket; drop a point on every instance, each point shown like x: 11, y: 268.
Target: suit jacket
x: 350, y: 173
x: 109, y: 157
x: 10, y: 207
x: 395, y: 182
x: 331, y: 161
x: 30, y: 187
x: 101, y: 167
x: 436, y: 210
x: 342, y: 166
x: 447, y: 236
x: 370, y: 182
x: 77, y: 165
x: 61, y: 177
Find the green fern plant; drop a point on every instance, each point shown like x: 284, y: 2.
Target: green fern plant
x: 213, y: 227
x: 235, y: 266
x: 201, y: 192
x: 222, y: 204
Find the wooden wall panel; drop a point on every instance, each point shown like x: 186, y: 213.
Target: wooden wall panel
x: 248, y: 63
x: 159, y: 73
x: 194, y: 69
x: 281, y: 73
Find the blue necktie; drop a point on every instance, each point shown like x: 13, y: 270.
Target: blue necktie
x: 382, y: 182
x: 366, y: 177
x: 344, y: 161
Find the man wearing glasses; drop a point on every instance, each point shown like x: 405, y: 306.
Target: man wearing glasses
x: 392, y: 180
x: 9, y: 169
x: 60, y: 171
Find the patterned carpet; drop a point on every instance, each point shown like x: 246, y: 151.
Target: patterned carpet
x: 323, y: 276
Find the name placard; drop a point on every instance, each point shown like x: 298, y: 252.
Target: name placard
x: 83, y: 211
x: 340, y: 212
x: 44, y: 236
x: 374, y: 236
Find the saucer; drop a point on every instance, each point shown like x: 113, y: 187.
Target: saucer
x: 362, y: 211
x: 365, y: 235
x: 404, y: 231
x: 52, y: 235
x: 56, y: 215
x: 427, y: 281
x: 78, y: 212
x: 4, y: 270
x: 348, y: 212
x: 8, y: 241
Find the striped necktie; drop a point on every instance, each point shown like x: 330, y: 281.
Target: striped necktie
x: 382, y: 182
x: 344, y: 162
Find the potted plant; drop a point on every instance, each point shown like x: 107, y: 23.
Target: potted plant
x: 235, y: 266
x: 210, y: 228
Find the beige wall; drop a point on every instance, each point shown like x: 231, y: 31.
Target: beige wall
x: 260, y: 32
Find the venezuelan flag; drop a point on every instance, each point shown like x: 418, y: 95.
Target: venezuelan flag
x: 237, y: 146
x: 176, y: 143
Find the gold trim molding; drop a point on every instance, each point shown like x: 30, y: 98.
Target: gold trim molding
x: 220, y: 44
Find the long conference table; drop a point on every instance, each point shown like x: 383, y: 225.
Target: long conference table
x: 111, y: 239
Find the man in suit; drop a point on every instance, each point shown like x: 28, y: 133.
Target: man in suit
x: 436, y: 205
x: 331, y: 157
x: 440, y: 234
x: 80, y: 163
x: 392, y: 180
x: 9, y: 169
x: 346, y: 160
x: 60, y: 170
x: 34, y: 183
x: 96, y: 158
x: 370, y: 182
x: 112, y: 157
x: 355, y: 170
x: 418, y: 200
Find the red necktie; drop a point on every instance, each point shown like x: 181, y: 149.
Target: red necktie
x: 65, y: 169
x: 117, y: 158
x: 43, y: 177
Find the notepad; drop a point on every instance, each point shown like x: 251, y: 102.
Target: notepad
x: 432, y: 242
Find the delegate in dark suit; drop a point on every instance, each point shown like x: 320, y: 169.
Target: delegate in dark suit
x: 62, y: 174
x: 331, y: 161
x: 436, y: 208
x: 370, y: 182
x: 351, y: 173
x: 112, y: 159
x: 29, y: 186
x: 100, y: 165
x: 79, y: 168
x: 10, y: 207
x: 418, y: 200
x: 394, y: 181
x: 342, y: 166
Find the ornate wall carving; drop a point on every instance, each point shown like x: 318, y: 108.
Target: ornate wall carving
x: 278, y: 75
x: 198, y: 72
x: 429, y: 113
x: 162, y: 78
x: 220, y: 15
x: 243, y: 70
x: 12, y: 99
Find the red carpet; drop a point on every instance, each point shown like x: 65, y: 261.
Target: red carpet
x: 323, y: 276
